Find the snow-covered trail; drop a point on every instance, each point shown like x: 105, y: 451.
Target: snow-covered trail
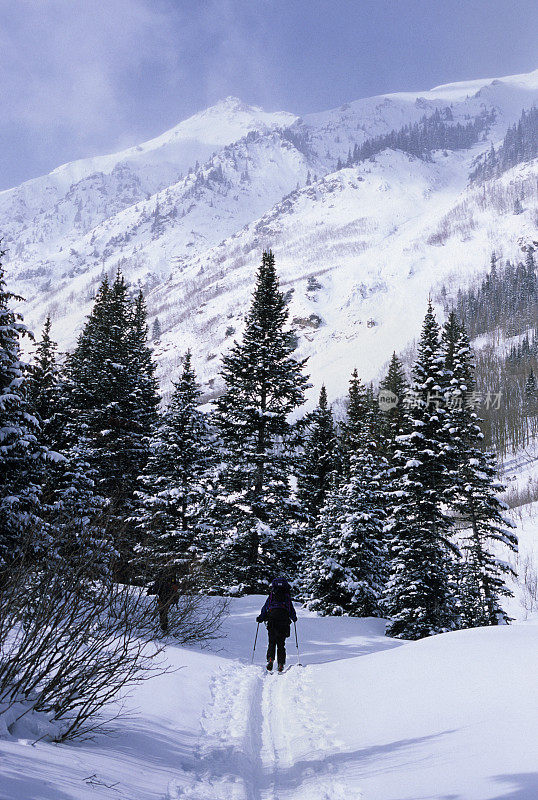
x: 263, y: 738
x: 453, y: 717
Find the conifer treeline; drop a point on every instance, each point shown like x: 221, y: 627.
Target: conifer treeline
x: 507, y: 298
x: 389, y: 512
x: 434, y: 132
x: 504, y: 305
x: 519, y: 145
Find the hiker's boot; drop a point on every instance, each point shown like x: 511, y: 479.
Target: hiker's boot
x: 281, y: 667
x: 270, y: 664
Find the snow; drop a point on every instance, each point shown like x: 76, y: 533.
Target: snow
x: 177, y: 149
x: 377, y: 238
x: 453, y: 716
x: 449, y: 716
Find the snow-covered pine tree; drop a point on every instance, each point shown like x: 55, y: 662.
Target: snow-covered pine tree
x: 171, y: 485
x: 144, y: 398
x: 392, y: 418
x: 76, y: 518
x: 472, y: 493
x: 420, y: 592
x: 45, y: 387
x: 156, y: 330
x: 317, y: 467
x: 71, y: 510
x: 345, y: 571
x: 21, y: 455
x: 112, y: 395
x: 352, y: 428
x: 319, y: 460
x: 264, y: 383
x: 346, y: 565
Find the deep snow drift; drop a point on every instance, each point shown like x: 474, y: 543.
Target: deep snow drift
x: 453, y: 717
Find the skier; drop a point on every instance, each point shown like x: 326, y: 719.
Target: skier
x: 278, y: 612
x: 166, y: 588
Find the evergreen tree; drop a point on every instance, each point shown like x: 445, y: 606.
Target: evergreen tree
x: 145, y: 398
x: 420, y: 593
x: 156, y: 330
x: 171, y: 486
x: 346, y: 567
x: 72, y: 512
x: 394, y: 382
x: 264, y: 383
x: 21, y: 456
x: 531, y: 389
x: 472, y: 493
x: 319, y: 461
x: 45, y: 388
x: 345, y: 571
x: 75, y: 514
x: 113, y: 401
x: 318, y: 465
x: 358, y: 415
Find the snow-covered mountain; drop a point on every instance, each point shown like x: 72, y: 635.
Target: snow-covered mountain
x: 186, y: 216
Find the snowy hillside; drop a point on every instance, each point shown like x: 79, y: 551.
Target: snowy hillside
x: 187, y: 214
x: 367, y: 718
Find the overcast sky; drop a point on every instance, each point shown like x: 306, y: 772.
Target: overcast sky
x: 82, y: 77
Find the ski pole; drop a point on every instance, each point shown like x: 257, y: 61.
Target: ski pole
x: 255, y: 640
x: 297, y: 645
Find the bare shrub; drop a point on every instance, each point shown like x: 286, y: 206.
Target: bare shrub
x: 528, y: 583
x: 518, y: 496
x: 69, y: 645
x: 196, y: 619
x: 458, y: 221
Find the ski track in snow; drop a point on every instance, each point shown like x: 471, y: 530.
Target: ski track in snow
x: 263, y: 738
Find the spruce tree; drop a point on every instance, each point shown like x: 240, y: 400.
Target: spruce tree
x: 264, y: 383
x: 420, y: 591
x: 317, y: 467
x: 394, y: 382
x: 346, y: 566
x: 21, y: 456
x: 156, y: 330
x: 72, y: 511
x: 319, y: 461
x: 171, y: 486
x: 357, y: 417
x: 531, y: 391
x: 144, y: 398
x: 473, y: 494
x: 45, y: 388
x: 112, y: 394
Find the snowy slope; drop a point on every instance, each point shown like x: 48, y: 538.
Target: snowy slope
x: 156, y: 163
x: 368, y: 718
x: 361, y: 249
x: 186, y: 215
x: 339, y: 128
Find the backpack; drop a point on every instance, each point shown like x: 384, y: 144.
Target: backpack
x: 279, y: 602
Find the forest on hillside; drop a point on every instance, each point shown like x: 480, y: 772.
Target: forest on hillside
x: 391, y: 511
x: 501, y: 312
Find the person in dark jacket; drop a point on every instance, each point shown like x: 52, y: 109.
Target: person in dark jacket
x: 278, y: 612
x: 166, y: 588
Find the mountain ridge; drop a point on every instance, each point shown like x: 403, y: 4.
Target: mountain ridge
x: 185, y: 231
